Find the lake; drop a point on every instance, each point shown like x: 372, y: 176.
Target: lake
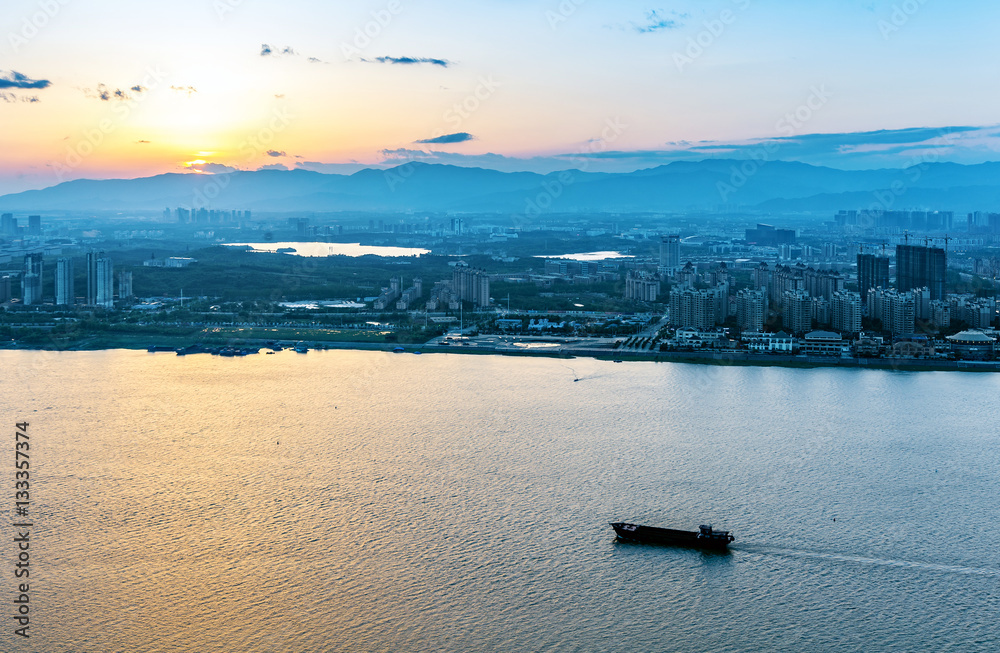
x: 334, y: 249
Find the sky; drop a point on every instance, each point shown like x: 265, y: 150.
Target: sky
x: 124, y: 89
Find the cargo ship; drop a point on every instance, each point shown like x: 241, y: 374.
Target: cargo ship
x: 704, y: 538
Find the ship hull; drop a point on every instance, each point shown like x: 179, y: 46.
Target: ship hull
x: 669, y: 537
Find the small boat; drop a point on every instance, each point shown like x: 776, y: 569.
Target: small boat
x: 704, y: 538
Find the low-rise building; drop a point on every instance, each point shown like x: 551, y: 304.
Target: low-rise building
x: 775, y: 343
x: 973, y: 345
x: 823, y: 343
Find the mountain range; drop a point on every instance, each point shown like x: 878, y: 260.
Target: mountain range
x: 714, y: 184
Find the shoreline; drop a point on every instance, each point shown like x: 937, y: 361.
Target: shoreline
x: 725, y: 359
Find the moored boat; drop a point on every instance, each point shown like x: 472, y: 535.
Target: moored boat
x: 704, y: 538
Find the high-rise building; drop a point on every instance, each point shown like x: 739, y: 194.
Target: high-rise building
x: 91, y: 297
x: 921, y: 303
x: 822, y: 283
x: 845, y: 312
x: 767, y: 235
x: 34, y: 225
x: 980, y: 313
x: 797, y: 311
x: 642, y: 286
x: 698, y: 309
x: 896, y: 310
x: 940, y: 314
x: 8, y: 225
x: 472, y: 285
x: 670, y: 251
x: 918, y: 266
x: 125, y: 285
x: 820, y: 310
x: 31, y: 281
x: 786, y: 278
x: 751, y: 309
x: 687, y: 275
x: 65, y: 285
x: 105, y: 283
x: 5, y: 295
x: 761, y: 276
x: 873, y: 272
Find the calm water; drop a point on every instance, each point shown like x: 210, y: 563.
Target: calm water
x: 349, y: 501
x: 335, y: 249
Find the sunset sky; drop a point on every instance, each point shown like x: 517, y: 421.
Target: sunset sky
x: 116, y: 88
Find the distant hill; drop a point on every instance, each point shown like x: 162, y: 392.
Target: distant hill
x: 778, y: 186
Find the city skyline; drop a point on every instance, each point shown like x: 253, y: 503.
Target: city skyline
x: 96, y: 92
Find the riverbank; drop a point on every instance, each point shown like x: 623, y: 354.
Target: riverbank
x: 570, y: 348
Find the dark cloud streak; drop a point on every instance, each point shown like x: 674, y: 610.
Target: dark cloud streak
x: 409, y: 61
x: 460, y: 137
x: 14, y: 79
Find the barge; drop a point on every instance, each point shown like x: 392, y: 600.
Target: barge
x: 704, y: 538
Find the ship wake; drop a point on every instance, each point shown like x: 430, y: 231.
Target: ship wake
x: 880, y: 562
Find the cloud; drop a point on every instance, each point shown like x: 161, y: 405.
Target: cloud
x: 460, y: 137
x: 287, y: 51
x: 14, y: 79
x: 657, y: 20
x: 184, y: 89
x: 409, y: 61
x: 275, y: 153
x: 488, y: 160
x: 274, y: 166
x: 107, y: 94
x: 894, y: 148
x: 210, y: 168
x: 11, y: 98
